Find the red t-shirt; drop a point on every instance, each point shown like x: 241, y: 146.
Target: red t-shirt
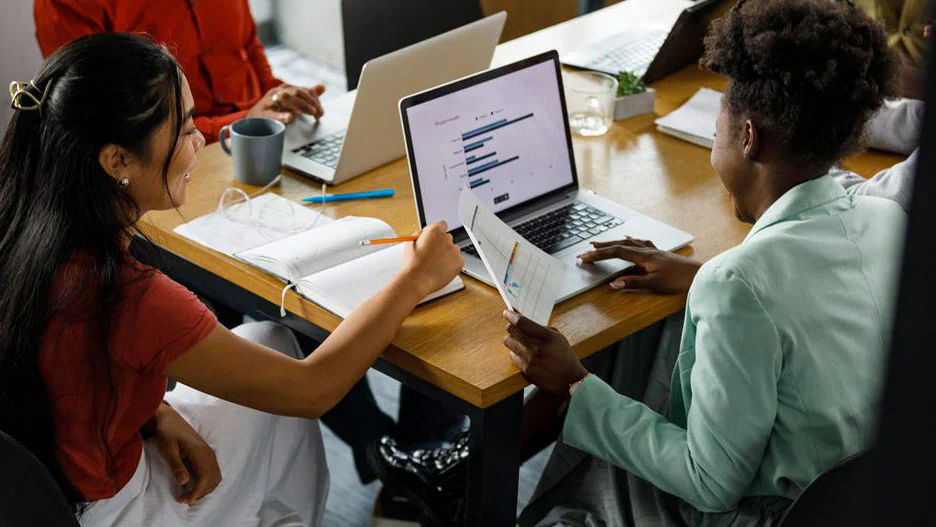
x: 155, y: 321
x: 215, y: 42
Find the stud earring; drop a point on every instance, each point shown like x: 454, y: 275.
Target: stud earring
x: 123, y: 182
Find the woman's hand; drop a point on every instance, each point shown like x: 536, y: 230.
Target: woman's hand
x: 542, y: 354
x: 658, y: 271
x: 188, y: 455
x: 285, y: 102
x: 433, y: 260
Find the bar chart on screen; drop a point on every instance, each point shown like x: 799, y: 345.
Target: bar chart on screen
x: 526, y: 277
x: 504, y: 139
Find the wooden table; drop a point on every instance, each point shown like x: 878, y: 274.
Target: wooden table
x: 451, y: 349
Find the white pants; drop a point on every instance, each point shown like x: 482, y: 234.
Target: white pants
x: 273, y: 468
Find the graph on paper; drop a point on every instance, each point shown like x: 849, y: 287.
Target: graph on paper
x: 527, y: 278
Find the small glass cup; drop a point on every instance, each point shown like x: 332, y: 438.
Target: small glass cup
x: 590, y: 101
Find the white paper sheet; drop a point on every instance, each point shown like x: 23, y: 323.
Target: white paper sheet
x: 527, y: 278
x: 694, y: 121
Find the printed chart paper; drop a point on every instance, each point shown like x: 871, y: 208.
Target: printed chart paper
x: 526, y: 277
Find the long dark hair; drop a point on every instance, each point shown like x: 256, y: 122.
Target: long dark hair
x: 56, y: 200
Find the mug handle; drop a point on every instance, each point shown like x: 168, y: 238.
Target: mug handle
x: 222, y: 135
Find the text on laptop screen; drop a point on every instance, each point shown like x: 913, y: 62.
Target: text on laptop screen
x: 503, y: 138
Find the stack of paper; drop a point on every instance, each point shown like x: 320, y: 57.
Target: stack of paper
x: 694, y: 121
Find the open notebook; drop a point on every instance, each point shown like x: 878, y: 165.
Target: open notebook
x: 694, y: 121
x: 330, y: 268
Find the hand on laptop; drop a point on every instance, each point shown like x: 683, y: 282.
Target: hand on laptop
x: 285, y: 102
x: 658, y: 271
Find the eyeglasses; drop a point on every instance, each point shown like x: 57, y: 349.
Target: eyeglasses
x: 276, y: 218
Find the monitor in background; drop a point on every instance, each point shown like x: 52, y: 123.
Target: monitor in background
x: 505, y: 137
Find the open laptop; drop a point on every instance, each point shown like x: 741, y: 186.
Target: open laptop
x: 504, y: 133
x: 648, y: 50
x: 360, y: 130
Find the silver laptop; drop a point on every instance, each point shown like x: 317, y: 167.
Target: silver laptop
x: 359, y: 130
x: 649, y: 50
x: 504, y: 133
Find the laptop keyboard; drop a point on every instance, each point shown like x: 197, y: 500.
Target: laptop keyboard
x: 563, y: 227
x: 325, y: 151
x: 632, y: 55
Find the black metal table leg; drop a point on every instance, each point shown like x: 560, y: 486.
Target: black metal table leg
x: 494, y: 463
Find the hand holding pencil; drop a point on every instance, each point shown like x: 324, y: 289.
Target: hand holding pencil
x: 433, y: 260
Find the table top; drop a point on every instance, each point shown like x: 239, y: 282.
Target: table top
x: 456, y: 342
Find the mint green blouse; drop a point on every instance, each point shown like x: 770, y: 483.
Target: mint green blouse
x: 781, y: 359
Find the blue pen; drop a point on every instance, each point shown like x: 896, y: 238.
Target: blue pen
x: 385, y: 193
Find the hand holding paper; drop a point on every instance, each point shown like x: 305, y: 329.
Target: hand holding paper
x: 526, y: 277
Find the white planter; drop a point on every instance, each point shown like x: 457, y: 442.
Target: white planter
x: 631, y: 105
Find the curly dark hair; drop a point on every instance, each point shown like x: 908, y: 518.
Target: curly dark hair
x: 810, y: 72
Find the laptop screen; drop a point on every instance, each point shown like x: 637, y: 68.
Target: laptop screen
x: 503, y: 135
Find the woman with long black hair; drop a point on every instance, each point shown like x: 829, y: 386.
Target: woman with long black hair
x: 88, y: 335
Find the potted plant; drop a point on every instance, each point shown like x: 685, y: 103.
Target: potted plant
x: 633, y: 97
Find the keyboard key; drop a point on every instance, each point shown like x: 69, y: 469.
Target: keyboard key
x: 603, y: 219
x: 596, y: 231
x: 568, y: 242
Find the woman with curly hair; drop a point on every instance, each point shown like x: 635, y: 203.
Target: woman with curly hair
x: 777, y: 372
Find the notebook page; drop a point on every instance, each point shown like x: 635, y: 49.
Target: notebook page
x: 341, y: 289
x: 227, y: 236
x: 527, y: 278
x: 694, y: 121
x: 314, y: 250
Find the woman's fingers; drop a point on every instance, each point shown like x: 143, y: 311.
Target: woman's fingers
x: 525, y: 325
x: 518, y: 348
x: 627, y: 242
x: 636, y: 255
x: 296, y: 101
x: 207, y: 473
x: 173, y: 456
x: 636, y: 282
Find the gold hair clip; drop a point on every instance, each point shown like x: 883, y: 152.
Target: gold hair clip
x: 18, y: 90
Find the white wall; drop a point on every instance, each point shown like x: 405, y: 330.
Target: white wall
x: 262, y: 10
x: 20, y: 58
x: 313, y: 28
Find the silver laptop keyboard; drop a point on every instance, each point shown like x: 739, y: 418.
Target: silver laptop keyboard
x: 325, y: 151
x: 631, y: 55
x: 563, y: 227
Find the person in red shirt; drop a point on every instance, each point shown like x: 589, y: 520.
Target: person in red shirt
x: 88, y: 335
x: 215, y: 42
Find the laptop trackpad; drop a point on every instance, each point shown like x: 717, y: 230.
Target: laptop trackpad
x: 305, y: 129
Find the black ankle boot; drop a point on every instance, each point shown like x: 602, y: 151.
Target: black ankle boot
x: 435, y: 479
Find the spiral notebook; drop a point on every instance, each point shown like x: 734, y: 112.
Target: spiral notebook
x: 326, y: 263
x: 330, y: 268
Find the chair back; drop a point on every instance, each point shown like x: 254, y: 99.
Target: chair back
x: 838, y: 496
x: 376, y: 27
x: 29, y: 496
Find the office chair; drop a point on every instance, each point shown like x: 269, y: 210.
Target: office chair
x: 29, y: 496
x: 376, y: 27
x: 838, y: 496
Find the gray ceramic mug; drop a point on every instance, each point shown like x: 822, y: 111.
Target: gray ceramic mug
x: 257, y: 149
